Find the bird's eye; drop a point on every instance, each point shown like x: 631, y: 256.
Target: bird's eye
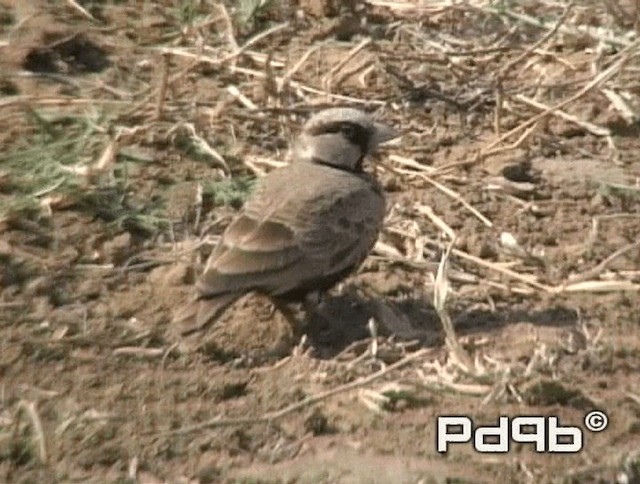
x: 349, y: 131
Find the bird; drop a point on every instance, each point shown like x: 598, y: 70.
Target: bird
x: 305, y: 228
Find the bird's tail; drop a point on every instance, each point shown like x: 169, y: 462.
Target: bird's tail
x: 200, y: 313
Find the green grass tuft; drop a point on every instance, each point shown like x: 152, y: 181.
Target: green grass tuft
x: 36, y: 166
x: 231, y: 191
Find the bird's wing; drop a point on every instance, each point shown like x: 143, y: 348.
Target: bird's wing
x: 292, y: 243
x: 255, y: 247
x: 348, y: 230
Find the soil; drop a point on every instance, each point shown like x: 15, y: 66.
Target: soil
x: 95, y: 384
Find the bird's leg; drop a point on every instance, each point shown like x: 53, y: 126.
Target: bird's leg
x: 311, y: 305
x: 296, y: 324
x: 312, y: 302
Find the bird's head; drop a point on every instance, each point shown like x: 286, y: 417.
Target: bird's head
x: 340, y: 137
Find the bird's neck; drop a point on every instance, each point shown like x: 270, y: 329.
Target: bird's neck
x: 320, y: 161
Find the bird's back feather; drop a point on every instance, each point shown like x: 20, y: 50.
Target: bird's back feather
x: 291, y: 237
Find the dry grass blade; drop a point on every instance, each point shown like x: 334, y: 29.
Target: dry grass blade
x: 83, y: 11
x: 597, y: 286
x: 244, y: 100
x: 440, y: 293
x: 458, y: 198
x: 633, y: 397
x: 29, y: 410
x: 311, y: 90
x: 437, y: 221
x: 108, y: 156
x: 164, y: 81
x: 284, y: 80
x: 621, y: 105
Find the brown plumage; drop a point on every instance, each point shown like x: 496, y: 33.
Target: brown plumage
x: 307, y: 226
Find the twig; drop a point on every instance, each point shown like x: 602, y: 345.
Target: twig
x: 139, y: 352
x: 272, y: 416
x: 209, y: 60
x: 261, y: 36
x: 596, y: 286
x: 620, y: 105
x: 437, y: 221
x: 203, y: 145
x: 410, y: 162
x: 61, y: 101
x: 633, y: 397
x: 496, y: 268
x: 244, y: 100
x: 350, y: 55
x: 199, y: 58
x: 12, y: 304
x: 312, y: 90
x: 497, y: 117
x: 592, y: 128
x: 597, y: 270
x: 198, y: 204
x: 284, y: 80
x: 450, y: 193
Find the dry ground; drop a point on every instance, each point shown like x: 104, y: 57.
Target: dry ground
x: 132, y: 131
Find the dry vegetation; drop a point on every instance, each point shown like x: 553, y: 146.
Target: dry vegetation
x: 506, y: 281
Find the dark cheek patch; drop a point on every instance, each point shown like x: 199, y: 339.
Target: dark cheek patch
x: 355, y: 133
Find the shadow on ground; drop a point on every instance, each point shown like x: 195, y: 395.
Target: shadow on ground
x: 342, y: 320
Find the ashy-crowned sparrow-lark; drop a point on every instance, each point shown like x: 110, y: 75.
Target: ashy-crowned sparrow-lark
x: 307, y: 225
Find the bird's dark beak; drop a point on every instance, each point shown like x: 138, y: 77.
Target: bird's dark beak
x: 382, y: 134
